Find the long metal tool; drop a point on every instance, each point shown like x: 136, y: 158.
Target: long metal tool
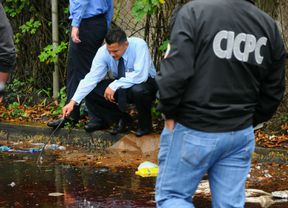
x: 49, y: 140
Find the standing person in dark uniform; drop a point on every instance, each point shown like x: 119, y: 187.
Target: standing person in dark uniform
x: 90, y: 22
x: 132, y: 73
x: 223, y: 74
x: 7, y: 50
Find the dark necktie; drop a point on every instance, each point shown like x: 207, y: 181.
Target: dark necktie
x: 122, y: 102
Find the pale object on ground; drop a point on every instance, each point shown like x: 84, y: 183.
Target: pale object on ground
x: 56, y: 194
x: 280, y: 194
x: 147, y: 169
x: 12, y: 184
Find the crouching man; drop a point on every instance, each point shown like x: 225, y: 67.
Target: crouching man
x: 129, y: 62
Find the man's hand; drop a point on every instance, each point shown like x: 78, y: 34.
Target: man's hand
x: 169, y: 124
x: 67, y: 109
x: 75, y: 35
x: 109, y: 95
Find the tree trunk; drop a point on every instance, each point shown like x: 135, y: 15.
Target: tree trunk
x: 55, y: 39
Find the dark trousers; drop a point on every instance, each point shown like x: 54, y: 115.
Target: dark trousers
x: 92, y: 32
x: 142, y: 95
x: 7, y: 48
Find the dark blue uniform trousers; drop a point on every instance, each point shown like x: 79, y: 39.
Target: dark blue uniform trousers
x: 92, y: 32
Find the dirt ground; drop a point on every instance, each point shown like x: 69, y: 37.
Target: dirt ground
x: 129, y: 151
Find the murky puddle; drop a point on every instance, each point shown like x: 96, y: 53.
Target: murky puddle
x: 24, y: 184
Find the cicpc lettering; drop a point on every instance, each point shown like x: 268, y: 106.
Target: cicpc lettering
x: 234, y: 43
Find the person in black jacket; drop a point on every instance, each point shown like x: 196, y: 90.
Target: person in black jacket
x: 223, y: 74
x: 7, y: 50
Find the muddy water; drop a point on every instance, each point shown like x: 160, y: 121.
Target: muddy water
x: 24, y: 184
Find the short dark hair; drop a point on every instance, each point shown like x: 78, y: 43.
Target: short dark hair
x: 115, y: 35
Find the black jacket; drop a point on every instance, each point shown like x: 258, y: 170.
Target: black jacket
x: 225, y: 69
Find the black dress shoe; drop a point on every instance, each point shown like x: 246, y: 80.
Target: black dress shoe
x: 141, y: 132
x: 121, y: 127
x: 61, y: 123
x: 90, y: 127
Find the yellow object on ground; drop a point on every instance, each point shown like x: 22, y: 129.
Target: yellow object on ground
x: 147, y: 169
x: 147, y: 172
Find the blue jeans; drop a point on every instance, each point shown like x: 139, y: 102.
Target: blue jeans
x: 186, y: 155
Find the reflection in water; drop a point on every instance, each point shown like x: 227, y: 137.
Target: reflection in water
x: 82, y: 187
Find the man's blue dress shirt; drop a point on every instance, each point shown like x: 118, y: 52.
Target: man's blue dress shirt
x: 82, y: 9
x: 138, y: 67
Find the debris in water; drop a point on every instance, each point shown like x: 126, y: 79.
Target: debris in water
x: 147, y: 169
x: 38, y: 144
x: 62, y: 148
x: 267, y: 175
x: 101, y: 170
x: 5, y: 149
x: 9, y: 149
x: 12, y: 184
x: 56, y: 194
x: 20, y: 161
x: 52, y: 146
x: 280, y: 194
x: 203, y: 188
x: 263, y: 201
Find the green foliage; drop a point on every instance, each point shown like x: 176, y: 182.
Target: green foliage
x: 66, y: 10
x: 18, y: 91
x: 17, y: 37
x: 15, y: 7
x: 46, y: 93
x: 62, y: 101
x: 283, y: 117
x: 155, y: 114
x: 143, y: 7
x: 30, y: 26
x: 49, y: 54
x: 23, y: 92
x: 16, y: 112
x: 163, y: 47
